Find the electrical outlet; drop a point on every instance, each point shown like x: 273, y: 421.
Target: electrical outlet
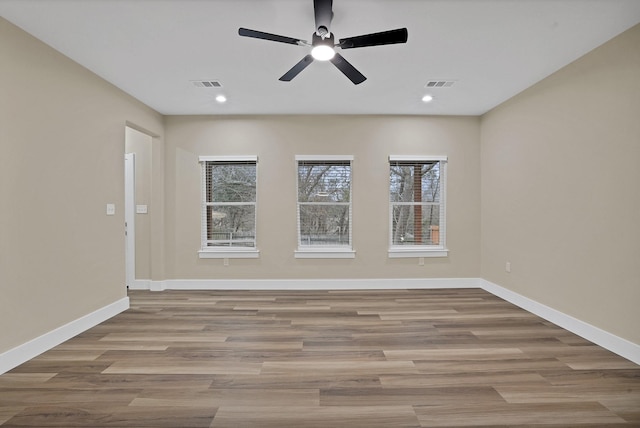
x: 421, y: 261
x: 225, y: 262
x: 507, y: 267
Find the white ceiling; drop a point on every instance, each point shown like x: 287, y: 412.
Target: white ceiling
x: 153, y: 49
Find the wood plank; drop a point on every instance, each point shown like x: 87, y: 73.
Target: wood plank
x: 181, y: 366
x: 425, y: 396
x: 560, y: 414
x: 320, y: 417
x: 217, y: 397
x: 331, y: 367
x: 113, y: 416
x: 472, y: 354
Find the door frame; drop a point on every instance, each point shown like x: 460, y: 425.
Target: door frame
x: 130, y: 218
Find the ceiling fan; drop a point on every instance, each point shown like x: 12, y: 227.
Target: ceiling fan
x: 323, y: 44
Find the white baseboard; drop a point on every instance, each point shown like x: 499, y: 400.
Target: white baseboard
x: 23, y: 353
x: 613, y: 343
x: 310, y: 284
x: 140, y: 284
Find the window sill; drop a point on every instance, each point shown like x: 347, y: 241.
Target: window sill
x: 329, y: 253
x: 229, y: 254
x: 418, y: 252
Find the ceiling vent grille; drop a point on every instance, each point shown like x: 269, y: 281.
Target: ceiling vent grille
x: 206, y: 83
x: 439, y: 84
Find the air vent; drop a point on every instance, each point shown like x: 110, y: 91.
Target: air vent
x: 206, y: 83
x: 439, y: 84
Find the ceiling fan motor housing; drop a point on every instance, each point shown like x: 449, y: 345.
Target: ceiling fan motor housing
x: 317, y: 40
x: 322, y: 31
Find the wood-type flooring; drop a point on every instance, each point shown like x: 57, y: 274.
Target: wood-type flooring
x: 401, y: 358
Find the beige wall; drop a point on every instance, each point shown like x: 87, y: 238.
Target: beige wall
x: 276, y: 141
x: 560, y: 199
x: 62, y: 132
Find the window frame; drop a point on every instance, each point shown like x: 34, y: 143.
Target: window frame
x: 440, y: 250
x: 205, y: 251
x: 324, y: 251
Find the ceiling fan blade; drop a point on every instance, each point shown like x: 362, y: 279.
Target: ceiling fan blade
x: 347, y: 69
x: 268, y: 36
x: 296, y: 69
x: 323, y: 13
x: 390, y: 37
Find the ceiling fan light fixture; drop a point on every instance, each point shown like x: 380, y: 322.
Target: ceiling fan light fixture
x: 323, y: 47
x: 323, y: 52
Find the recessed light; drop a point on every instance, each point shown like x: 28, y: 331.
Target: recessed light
x: 427, y: 98
x: 221, y: 99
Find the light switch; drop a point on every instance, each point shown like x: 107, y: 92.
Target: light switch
x: 111, y: 209
x: 141, y: 209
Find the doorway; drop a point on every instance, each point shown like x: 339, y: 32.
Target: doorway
x: 138, y: 208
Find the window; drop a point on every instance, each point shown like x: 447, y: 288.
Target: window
x: 417, y: 206
x: 324, y: 207
x: 228, y: 206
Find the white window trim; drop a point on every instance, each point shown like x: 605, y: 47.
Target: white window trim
x: 325, y: 252
x: 249, y: 158
x: 400, y: 251
x: 321, y: 158
x: 396, y: 253
x: 416, y: 158
x: 226, y: 252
